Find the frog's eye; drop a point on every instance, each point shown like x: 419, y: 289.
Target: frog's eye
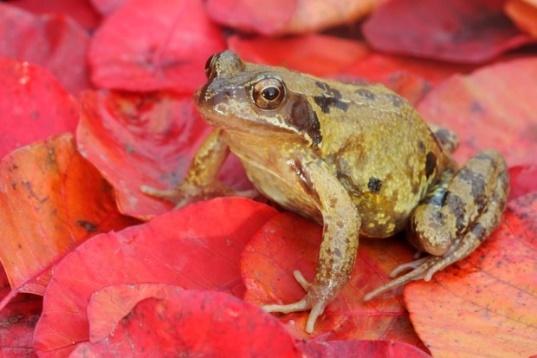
x: 209, y: 71
x: 268, y: 93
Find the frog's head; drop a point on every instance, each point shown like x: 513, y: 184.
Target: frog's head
x: 245, y: 96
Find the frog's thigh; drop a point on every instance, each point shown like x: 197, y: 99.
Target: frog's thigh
x: 447, y: 138
x: 472, y: 191
x: 338, y: 248
x: 452, y: 225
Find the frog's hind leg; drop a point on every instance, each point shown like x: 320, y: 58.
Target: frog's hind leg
x: 458, y: 216
x: 447, y: 139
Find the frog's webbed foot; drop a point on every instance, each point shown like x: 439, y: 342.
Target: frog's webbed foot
x: 312, y: 301
x: 472, y: 219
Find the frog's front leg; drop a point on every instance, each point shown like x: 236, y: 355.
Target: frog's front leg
x: 341, y: 225
x: 201, y: 178
x: 456, y: 218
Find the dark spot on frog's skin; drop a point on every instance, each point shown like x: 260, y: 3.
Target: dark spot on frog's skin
x: 337, y: 252
x: 421, y: 146
x: 457, y: 207
x: 87, y: 225
x: 365, y: 93
x: 396, y: 100
x: 477, y: 184
x: 374, y: 184
x: 330, y: 98
x: 430, y: 164
x: 304, y: 118
x: 479, y: 231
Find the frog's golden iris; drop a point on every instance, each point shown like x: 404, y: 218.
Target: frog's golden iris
x: 356, y: 158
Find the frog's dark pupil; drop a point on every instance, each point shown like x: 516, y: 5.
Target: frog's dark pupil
x: 271, y: 93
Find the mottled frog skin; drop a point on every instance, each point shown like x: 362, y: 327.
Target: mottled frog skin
x: 356, y: 158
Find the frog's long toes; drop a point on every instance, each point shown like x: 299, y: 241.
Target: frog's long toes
x: 416, y: 274
x: 407, y: 266
x: 301, y: 280
x: 170, y: 194
x: 316, y: 311
x: 298, y: 306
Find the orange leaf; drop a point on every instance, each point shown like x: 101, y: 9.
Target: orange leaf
x: 488, y: 302
x: 524, y: 14
x: 288, y: 243
x: 51, y: 199
x: 491, y: 108
x: 287, y: 16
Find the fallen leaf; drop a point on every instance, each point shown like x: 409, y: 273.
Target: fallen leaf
x: 196, y: 247
x: 488, y: 302
x: 55, y: 42
x: 51, y: 200
x: 491, y: 108
x: 79, y: 10
x: 355, y: 348
x: 17, y: 322
x: 33, y: 104
x: 125, y: 55
x: 319, y: 55
x: 524, y: 14
x: 287, y: 243
x: 458, y: 31
x: 144, y: 139
x: 197, y: 323
x: 522, y: 180
x: 284, y: 17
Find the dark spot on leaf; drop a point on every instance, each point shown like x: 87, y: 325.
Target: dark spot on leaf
x: 87, y: 225
x: 374, y: 184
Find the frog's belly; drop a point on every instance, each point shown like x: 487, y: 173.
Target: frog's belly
x: 282, y: 187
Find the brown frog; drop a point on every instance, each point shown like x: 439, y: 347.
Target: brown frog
x: 356, y: 158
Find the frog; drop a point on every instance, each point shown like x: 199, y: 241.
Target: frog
x: 356, y: 158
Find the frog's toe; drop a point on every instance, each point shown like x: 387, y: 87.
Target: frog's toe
x: 169, y: 194
x: 301, y: 280
x: 298, y: 306
x: 420, y: 269
x: 407, y: 266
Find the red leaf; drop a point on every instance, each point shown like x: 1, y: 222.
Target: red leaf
x: 320, y: 55
x: 522, y: 180
x: 51, y: 200
x: 79, y: 10
x: 196, y: 247
x: 33, y: 105
x: 154, y: 45
x: 17, y: 322
x: 195, y: 323
x: 458, y: 30
x: 52, y: 41
x: 106, y: 7
x: 489, y: 109
x: 288, y: 243
x: 488, y: 302
x: 287, y: 16
x: 149, y: 139
x: 354, y: 348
